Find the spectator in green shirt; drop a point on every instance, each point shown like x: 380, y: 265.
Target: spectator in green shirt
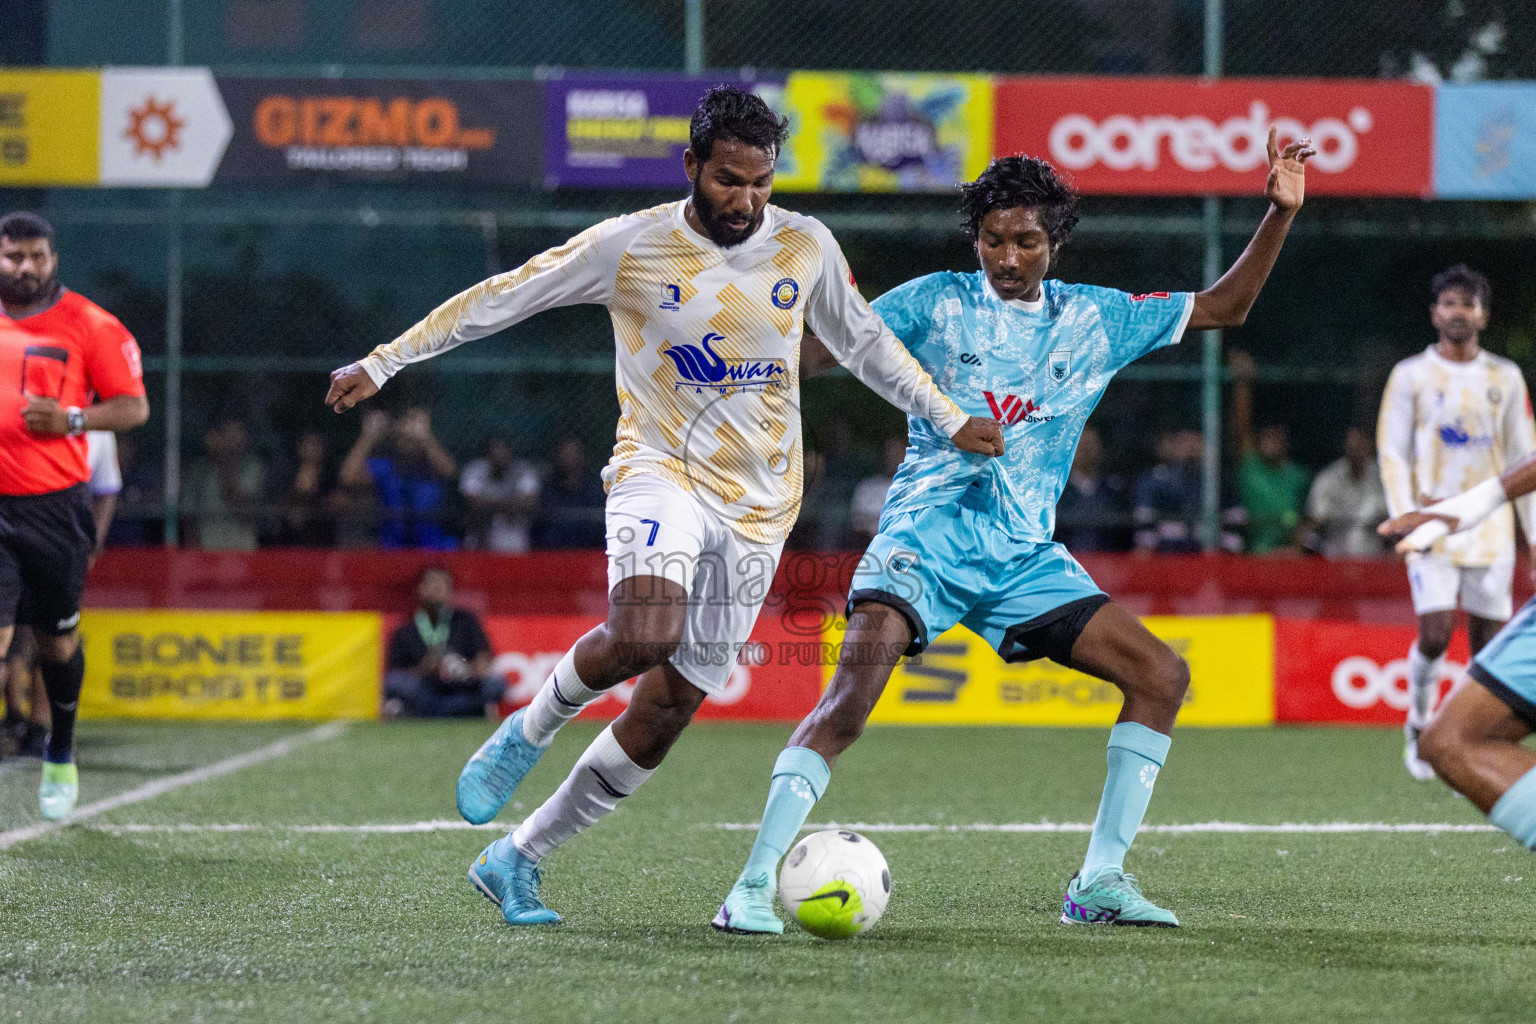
x: 1272, y: 487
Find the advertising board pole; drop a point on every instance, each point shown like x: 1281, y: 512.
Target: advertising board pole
x: 175, y: 53
x: 693, y: 37
x: 1210, y: 362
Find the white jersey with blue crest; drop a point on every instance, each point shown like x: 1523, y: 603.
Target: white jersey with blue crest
x: 1039, y: 368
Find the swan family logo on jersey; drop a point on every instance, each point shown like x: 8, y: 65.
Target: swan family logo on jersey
x: 700, y: 367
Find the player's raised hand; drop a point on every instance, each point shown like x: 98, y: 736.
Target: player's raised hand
x: 982, y: 435
x: 1418, y: 530
x: 350, y: 385
x: 1286, y: 186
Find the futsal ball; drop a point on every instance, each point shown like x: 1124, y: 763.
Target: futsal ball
x: 836, y: 884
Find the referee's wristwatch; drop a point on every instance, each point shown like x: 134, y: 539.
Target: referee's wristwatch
x: 76, y: 417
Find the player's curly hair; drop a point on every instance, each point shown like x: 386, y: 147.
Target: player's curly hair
x: 728, y: 114
x: 1463, y: 277
x: 1011, y: 181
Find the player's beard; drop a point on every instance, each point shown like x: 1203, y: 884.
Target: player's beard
x: 719, y: 232
x: 26, y: 290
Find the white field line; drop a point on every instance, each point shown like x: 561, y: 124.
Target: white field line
x: 385, y: 828
x: 156, y: 787
x: 1302, y: 828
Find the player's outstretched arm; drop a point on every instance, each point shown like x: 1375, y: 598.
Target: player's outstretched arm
x: 1227, y: 302
x: 1462, y: 512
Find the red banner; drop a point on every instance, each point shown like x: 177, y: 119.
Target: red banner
x: 777, y: 677
x: 1349, y: 673
x: 1184, y: 136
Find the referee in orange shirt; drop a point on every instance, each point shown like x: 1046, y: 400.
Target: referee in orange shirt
x: 66, y: 366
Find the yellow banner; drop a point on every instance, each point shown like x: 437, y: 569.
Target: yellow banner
x: 48, y: 127
x: 248, y: 666
x: 882, y: 132
x: 960, y: 680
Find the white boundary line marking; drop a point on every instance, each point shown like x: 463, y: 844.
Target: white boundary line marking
x: 1301, y: 828
x: 385, y: 828
x: 156, y: 787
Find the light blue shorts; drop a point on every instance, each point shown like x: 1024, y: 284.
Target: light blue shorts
x: 1507, y: 666
x: 950, y: 563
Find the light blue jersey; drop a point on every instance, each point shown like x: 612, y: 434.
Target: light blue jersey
x: 1039, y: 371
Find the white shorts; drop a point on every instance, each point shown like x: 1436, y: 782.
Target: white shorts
x: 656, y: 528
x: 1439, y: 585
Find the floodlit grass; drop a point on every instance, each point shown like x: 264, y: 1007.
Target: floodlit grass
x: 100, y: 924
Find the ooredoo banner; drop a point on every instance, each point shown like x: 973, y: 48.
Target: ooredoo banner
x: 1186, y: 136
x: 1349, y: 672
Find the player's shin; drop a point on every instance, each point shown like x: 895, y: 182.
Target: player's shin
x: 1515, y: 811
x: 1136, y: 754
x: 800, y: 777
x: 560, y: 699
x: 603, y: 776
x: 62, y: 680
x: 1423, y: 682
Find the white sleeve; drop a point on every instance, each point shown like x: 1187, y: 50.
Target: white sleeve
x: 1394, y: 443
x: 860, y: 341
x: 1519, y: 441
x: 106, y: 475
x: 580, y: 271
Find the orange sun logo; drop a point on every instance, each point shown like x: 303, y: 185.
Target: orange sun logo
x: 154, y: 128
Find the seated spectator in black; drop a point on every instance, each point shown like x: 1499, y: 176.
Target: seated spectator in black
x: 571, y: 502
x: 869, y: 494
x: 1094, y: 512
x: 500, y: 491
x: 406, y: 466
x: 307, y: 514
x: 1347, y: 502
x: 439, y: 662
x: 1168, y: 507
x: 224, y: 489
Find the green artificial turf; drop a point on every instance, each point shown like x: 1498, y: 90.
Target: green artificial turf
x: 272, y: 924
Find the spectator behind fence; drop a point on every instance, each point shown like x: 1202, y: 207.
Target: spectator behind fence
x: 440, y: 661
x: 500, y: 492
x: 1167, y: 510
x: 306, y: 518
x: 1094, y: 512
x: 571, y: 501
x: 1347, y: 502
x: 869, y: 494
x: 224, y: 489
x: 1272, y: 487
x: 405, y: 466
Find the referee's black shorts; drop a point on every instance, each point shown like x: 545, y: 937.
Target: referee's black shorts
x: 45, y: 546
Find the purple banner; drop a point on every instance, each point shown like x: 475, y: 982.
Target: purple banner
x: 603, y: 131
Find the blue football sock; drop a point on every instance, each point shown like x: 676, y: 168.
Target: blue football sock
x: 1515, y: 811
x: 800, y: 776
x: 1136, y: 754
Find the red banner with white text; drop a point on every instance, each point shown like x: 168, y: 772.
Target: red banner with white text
x: 1186, y: 136
x: 1349, y: 672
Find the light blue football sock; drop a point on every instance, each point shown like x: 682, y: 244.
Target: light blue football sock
x: 1136, y: 754
x: 1515, y: 812
x: 800, y: 776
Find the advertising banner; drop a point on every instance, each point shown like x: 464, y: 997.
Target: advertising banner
x: 777, y: 674
x: 160, y: 127
x: 1485, y: 141
x: 872, y: 132
x: 1349, y: 672
x: 433, y: 132
x: 48, y: 127
x: 1185, y: 136
x: 245, y: 666
x: 960, y: 680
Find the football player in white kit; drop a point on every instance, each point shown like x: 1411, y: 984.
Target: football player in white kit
x: 1452, y: 416
x: 709, y: 297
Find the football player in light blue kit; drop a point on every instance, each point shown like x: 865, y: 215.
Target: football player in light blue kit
x: 965, y: 539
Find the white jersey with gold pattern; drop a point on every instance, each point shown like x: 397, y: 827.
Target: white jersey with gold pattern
x: 1445, y: 426
x: 708, y: 349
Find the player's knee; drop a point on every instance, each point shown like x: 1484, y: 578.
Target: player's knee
x: 640, y: 647
x: 1433, y: 641
x: 1441, y: 744
x: 1168, y: 675
x: 58, y: 648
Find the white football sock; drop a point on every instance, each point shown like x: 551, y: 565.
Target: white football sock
x: 1423, y: 686
x: 602, y: 777
x: 559, y: 700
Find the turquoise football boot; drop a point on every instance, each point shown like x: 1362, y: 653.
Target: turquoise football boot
x: 60, y: 788
x: 493, y: 774
x: 1112, y: 897
x: 513, y: 885
x: 748, y: 908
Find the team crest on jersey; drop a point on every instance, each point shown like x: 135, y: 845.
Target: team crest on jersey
x: 700, y: 367
x: 671, y: 297
x: 1495, y: 396
x: 786, y: 293
x: 1060, y: 364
